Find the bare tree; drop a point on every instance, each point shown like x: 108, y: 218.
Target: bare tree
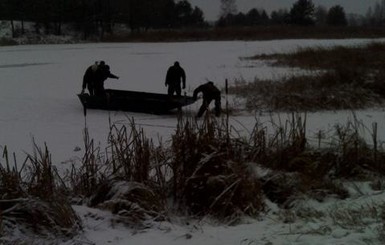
x: 376, y: 15
x: 228, y: 7
x: 320, y: 15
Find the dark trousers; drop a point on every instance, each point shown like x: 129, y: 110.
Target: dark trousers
x: 99, y: 88
x: 91, y: 89
x: 174, y: 89
x: 205, y: 105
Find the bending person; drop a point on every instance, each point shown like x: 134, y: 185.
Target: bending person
x: 210, y: 92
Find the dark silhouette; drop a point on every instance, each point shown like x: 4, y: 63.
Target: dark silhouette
x: 89, y: 78
x: 336, y: 16
x: 93, y: 18
x: 174, y: 77
x: 302, y: 13
x: 210, y: 92
x: 102, y: 73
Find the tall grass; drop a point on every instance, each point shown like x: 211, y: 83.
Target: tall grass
x: 34, y: 197
x: 207, y: 169
x: 11, y: 180
x: 340, y: 78
x: 206, y: 163
x: 197, y: 154
x: 130, y: 153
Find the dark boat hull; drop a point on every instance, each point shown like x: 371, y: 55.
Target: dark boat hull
x: 121, y: 100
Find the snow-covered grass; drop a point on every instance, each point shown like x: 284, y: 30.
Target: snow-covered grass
x: 39, y: 85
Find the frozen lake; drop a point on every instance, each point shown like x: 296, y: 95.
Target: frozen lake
x: 39, y: 85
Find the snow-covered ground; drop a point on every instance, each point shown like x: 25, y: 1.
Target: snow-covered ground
x: 38, y: 101
x: 352, y: 221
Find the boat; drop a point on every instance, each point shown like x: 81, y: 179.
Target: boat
x: 134, y: 101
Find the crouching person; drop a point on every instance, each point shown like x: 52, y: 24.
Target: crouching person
x: 210, y: 92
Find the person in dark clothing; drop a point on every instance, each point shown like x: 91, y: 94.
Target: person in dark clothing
x: 174, y: 77
x: 89, y: 79
x: 102, y: 73
x: 210, y: 92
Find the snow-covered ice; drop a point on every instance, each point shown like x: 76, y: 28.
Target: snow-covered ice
x: 38, y: 102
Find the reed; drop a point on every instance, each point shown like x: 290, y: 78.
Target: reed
x: 206, y: 169
x: 337, y: 78
x: 35, y: 197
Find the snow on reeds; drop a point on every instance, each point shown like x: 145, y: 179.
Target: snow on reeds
x: 206, y: 170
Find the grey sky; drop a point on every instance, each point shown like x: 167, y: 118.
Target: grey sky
x: 211, y: 8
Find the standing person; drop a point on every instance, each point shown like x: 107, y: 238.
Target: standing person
x: 102, y: 73
x: 174, y: 77
x: 210, y: 92
x: 89, y: 79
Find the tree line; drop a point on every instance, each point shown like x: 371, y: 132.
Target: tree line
x: 303, y: 13
x: 100, y: 16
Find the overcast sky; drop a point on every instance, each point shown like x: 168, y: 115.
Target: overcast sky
x: 211, y: 7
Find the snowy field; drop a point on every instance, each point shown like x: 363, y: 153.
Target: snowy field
x: 38, y: 101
